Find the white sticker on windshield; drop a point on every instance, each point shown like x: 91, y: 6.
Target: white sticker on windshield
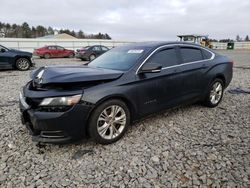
x: 135, y: 51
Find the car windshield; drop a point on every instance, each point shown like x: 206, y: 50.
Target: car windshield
x: 120, y: 58
x: 86, y: 47
x: 2, y: 47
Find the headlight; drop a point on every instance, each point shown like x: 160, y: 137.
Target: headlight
x: 61, y: 101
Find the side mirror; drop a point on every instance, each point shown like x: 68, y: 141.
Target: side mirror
x: 150, y: 68
x: 3, y: 50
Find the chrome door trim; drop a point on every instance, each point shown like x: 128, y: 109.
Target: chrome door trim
x: 173, y: 45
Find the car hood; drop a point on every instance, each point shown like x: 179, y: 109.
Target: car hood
x: 19, y: 52
x: 72, y: 74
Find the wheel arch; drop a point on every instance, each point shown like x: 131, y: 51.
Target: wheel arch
x: 122, y: 98
x: 221, y: 77
x: 46, y: 53
x: 21, y: 56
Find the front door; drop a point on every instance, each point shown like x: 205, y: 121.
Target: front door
x: 157, y: 91
x: 53, y: 51
x: 5, y: 58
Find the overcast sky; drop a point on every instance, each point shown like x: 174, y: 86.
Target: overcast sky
x: 137, y: 19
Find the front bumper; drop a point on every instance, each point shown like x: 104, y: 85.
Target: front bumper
x: 33, y: 64
x: 55, y: 127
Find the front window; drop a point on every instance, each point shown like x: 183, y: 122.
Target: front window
x: 120, y: 58
x: 51, y: 47
x: 165, y: 57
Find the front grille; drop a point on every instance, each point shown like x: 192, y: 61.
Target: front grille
x: 53, y: 108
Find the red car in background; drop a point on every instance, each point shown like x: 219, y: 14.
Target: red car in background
x: 53, y: 51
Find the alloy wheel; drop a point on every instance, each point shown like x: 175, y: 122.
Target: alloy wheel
x: 216, y: 93
x: 92, y: 57
x: 23, y: 64
x: 111, y: 122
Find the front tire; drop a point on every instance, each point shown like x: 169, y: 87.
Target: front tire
x: 215, y: 93
x: 22, y: 64
x: 92, y: 57
x: 46, y: 56
x: 109, y: 122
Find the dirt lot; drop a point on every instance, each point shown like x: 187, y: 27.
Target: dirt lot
x: 190, y: 146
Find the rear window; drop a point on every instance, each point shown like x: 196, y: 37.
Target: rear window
x: 191, y: 54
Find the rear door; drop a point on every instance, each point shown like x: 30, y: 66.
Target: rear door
x: 157, y: 91
x: 193, y: 68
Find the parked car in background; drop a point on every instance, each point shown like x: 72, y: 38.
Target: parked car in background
x: 101, y: 99
x: 89, y: 53
x: 10, y: 58
x: 53, y: 51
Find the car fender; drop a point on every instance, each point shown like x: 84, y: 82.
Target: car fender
x: 98, y: 96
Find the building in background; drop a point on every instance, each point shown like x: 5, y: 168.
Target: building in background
x: 58, y: 36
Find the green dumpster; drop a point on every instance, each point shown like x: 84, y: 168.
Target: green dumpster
x: 230, y: 45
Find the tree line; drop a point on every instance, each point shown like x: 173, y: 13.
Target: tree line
x: 237, y: 39
x: 26, y: 31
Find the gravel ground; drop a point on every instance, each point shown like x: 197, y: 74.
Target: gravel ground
x: 190, y: 146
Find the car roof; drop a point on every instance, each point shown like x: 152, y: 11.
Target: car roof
x: 156, y: 44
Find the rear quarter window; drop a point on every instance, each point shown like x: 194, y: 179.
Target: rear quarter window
x: 190, y: 54
x: 206, y: 54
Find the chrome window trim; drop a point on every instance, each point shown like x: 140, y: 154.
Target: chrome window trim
x: 173, y: 45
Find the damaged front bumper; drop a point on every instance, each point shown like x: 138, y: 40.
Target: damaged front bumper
x: 55, y: 127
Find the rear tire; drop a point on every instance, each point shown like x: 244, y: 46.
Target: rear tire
x: 215, y: 93
x: 46, y: 56
x: 109, y: 121
x: 23, y: 64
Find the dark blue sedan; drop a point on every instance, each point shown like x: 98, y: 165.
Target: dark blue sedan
x: 100, y: 100
x: 15, y: 59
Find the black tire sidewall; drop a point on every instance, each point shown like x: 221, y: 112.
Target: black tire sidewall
x: 21, y: 68
x: 46, y: 56
x: 92, y: 128
x: 207, y: 100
